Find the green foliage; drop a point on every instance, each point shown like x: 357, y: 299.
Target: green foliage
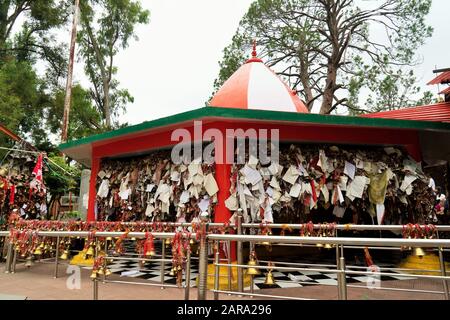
x: 326, y: 51
x: 61, y: 181
x: 107, y: 27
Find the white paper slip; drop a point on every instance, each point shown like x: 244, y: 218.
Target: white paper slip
x: 204, y: 204
x: 129, y: 273
x: 211, y: 185
x: 295, y: 190
x: 291, y: 175
x: 149, y: 187
x: 350, y: 170
x: 184, y: 197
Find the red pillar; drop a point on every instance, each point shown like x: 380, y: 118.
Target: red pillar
x: 414, y: 151
x: 92, y: 189
x: 223, y: 174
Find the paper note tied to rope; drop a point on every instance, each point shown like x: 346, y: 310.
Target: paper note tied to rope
x: 184, y: 198
x: 350, y: 170
x: 103, y: 190
x: 211, y: 185
x: 232, y: 202
x: 291, y: 175
x: 356, y: 187
x: 295, y: 190
x: 409, y: 178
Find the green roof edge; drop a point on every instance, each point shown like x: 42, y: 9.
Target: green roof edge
x: 261, y: 115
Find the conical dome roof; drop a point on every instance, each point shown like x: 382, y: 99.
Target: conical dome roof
x: 255, y: 86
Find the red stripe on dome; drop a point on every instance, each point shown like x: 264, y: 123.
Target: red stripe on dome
x: 234, y: 92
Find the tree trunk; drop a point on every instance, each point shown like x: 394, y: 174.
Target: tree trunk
x: 330, y: 87
x: 4, y: 6
x: 54, y: 207
x: 106, y: 107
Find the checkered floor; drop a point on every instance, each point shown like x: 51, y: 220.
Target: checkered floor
x: 151, y: 271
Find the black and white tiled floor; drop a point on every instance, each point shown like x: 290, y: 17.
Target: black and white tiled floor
x: 151, y: 271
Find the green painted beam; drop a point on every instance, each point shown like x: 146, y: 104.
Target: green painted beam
x: 228, y: 113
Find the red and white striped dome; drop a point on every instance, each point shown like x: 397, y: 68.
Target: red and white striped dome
x: 255, y: 86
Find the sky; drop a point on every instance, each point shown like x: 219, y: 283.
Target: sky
x: 171, y: 69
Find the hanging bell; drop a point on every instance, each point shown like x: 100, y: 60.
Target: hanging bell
x: 150, y: 253
x: 269, y: 279
x: 101, y: 271
x: 107, y: 272
x: 172, y: 272
x: 133, y: 239
x: 319, y: 245
x: 64, y: 255
x: 328, y: 246
x: 418, y: 252
x: 38, y: 251
x: 90, y: 251
x: 251, y: 270
x: 93, y: 274
x: 108, y: 238
x: 167, y: 242
x: 29, y: 263
x: 191, y: 242
x: 179, y: 268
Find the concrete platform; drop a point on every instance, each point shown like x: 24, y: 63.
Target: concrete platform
x: 37, y: 283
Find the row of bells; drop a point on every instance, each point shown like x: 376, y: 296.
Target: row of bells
x: 254, y: 272
x: 102, y: 271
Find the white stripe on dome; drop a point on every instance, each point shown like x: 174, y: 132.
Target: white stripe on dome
x: 266, y: 91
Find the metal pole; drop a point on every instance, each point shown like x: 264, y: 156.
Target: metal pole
x: 163, y: 264
x: 337, y: 267
x: 230, y: 269
x: 203, y: 261
x: 9, y: 258
x: 443, y: 271
x: 14, y: 260
x: 68, y: 96
x: 342, y: 279
x: 240, y: 258
x: 95, y: 282
x: 252, y: 277
x: 56, y: 257
x: 187, y: 279
x: 216, y: 271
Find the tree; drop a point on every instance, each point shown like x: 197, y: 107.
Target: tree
x: 107, y: 27
x: 36, y: 32
x: 84, y: 118
x: 325, y: 48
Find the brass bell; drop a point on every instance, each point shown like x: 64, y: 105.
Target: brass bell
x: 150, y: 253
x: 269, y: 279
x: 108, y: 238
x: 133, y: 239
x: 191, y: 242
x: 90, y: 251
x: 64, y: 255
x: 328, y: 246
x: 93, y: 275
x: 29, y: 263
x: 319, y: 245
x: 418, y: 252
x: 179, y: 268
x: 107, y: 272
x: 167, y: 242
x: 101, y: 271
x: 172, y: 272
x: 38, y: 251
x: 251, y: 270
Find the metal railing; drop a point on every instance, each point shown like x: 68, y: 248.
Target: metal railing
x: 340, y: 268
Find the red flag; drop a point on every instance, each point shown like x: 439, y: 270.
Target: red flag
x: 37, y: 171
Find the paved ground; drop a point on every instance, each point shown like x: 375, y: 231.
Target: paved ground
x: 37, y: 283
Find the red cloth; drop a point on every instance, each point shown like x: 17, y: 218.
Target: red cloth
x: 37, y: 171
x: 12, y: 194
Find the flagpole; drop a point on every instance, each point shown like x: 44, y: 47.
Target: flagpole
x: 68, y: 97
